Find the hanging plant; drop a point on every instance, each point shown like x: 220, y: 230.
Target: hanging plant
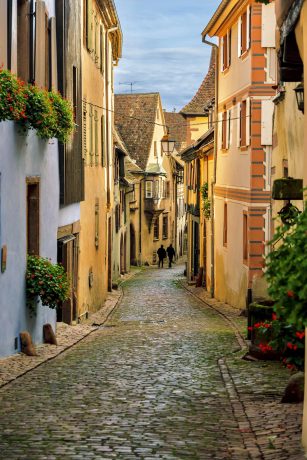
x: 40, y: 114
x: 12, y: 97
x: 64, y: 116
x: 47, y: 281
x: 205, y: 200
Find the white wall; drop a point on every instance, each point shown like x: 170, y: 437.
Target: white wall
x: 21, y: 156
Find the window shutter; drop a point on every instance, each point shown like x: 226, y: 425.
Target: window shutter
x: 238, y: 124
x: 84, y: 131
x: 40, y: 43
x: 91, y: 146
x: 23, y: 39
x: 53, y: 51
x: 3, y: 32
x: 96, y: 137
x: 103, y: 141
x: 97, y: 223
x: 89, y: 25
x: 101, y: 49
x: 230, y: 128
x: 248, y: 121
x: 228, y: 47
x: 168, y: 189
x: 33, y: 218
x: 220, y: 130
x: 248, y: 27
x: 268, y: 26
x: 267, y: 110
x: 239, y: 36
x: 227, y: 130
x: 222, y: 54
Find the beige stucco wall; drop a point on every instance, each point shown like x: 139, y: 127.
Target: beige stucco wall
x: 94, y: 259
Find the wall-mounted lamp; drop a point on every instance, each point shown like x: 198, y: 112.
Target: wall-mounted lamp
x: 299, y: 93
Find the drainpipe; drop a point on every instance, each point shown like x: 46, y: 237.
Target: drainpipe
x: 213, y: 45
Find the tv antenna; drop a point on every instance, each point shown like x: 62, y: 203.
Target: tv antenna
x: 129, y: 83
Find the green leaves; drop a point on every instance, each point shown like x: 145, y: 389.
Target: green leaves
x: 34, y: 108
x: 46, y: 280
x: 205, y: 200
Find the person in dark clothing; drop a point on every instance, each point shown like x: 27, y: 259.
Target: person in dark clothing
x: 162, y: 255
x: 171, y: 254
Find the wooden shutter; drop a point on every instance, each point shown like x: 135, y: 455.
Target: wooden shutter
x: 168, y: 189
x: 91, y: 146
x: 40, y: 43
x: 23, y: 40
x: 224, y: 130
x: 225, y: 52
x: 225, y: 229
x: 220, y: 130
x: 239, y: 36
x: 53, y: 56
x: 101, y: 49
x: 84, y: 132
x: 229, y: 47
x: 97, y: 223
x: 245, y: 237
x: 243, y: 123
x: 248, y: 121
x: 103, y: 141
x: 268, y: 26
x: 227, y: 130
x: 238, y: 117
x: 230, y: 127
x: 267, y: 110
x: 248, y: 27
x: 222, y: 54
x: 96, y: 147
x: 33, y: 218
x: 89, y: 25
x: 3, y: 32
x: 244, y: 32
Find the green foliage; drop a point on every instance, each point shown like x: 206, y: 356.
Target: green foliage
x: 205, y: 200
x: 12, y: 97
x: 40, y: 113
x: 33, y: 108
x: 287, y: 272
x: 64, y: 116
x: 46, y: 280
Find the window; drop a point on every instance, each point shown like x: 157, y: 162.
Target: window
x: 117, y: 218
x: 116, y: 169
x: 91, y: 135
x: 156, y: 189
x: 101, y: 49
x: 245, y: 239
x: 156, y: 229
x: 168, y: 189
x: 89, y: 25
x: 148, y: 189
x: 225, y: 226
x: 84, y: 129
x: 226, y: 50
x: 165, y: 227
x: 244, y: 32
x: 33, y: 216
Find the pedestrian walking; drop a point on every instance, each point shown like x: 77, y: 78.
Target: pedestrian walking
x: 162, y: 255
x: 171, y: 254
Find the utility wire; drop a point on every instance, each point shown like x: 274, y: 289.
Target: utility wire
x: 161, y: 124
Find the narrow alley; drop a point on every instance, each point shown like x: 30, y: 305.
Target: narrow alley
x: 163, y: 379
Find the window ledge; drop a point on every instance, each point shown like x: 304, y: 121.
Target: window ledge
x: 244, y: 54
x: 225, y: 71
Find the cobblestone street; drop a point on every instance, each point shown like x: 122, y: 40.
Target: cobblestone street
x: 163, y: 379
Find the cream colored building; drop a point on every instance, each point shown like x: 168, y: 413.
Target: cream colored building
x: 140, y: 122
x: 246, y: 74
x: 102, y: 41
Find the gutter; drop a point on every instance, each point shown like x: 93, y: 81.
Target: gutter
x: 213, y: 45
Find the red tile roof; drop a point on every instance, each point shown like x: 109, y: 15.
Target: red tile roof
x: 177, y: 128
x: 135, y: 116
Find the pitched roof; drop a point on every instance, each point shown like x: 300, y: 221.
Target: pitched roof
x: 205, y: 93
x: 177, y: 128
x: 118, y: 142
x: 135, y: 116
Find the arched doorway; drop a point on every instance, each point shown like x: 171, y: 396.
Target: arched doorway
x: 132, y: 246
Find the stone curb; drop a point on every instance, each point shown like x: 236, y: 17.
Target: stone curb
x: 13, y: 367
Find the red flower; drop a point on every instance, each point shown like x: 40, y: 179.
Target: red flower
x: 290, y: 345
x: 250, y: 328
x: 300, y: 335
x: 274, y: 316
x: 290, y: 294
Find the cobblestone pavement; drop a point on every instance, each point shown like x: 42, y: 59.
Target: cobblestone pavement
x: 162, y: 379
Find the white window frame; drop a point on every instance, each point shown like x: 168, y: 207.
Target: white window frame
x: 148, y: 189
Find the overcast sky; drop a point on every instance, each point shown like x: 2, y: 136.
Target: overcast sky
x: 163, y: 51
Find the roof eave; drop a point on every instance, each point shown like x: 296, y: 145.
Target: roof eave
x: 216, y: 21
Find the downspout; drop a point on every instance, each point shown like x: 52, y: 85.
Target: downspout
x: 213, y: 45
